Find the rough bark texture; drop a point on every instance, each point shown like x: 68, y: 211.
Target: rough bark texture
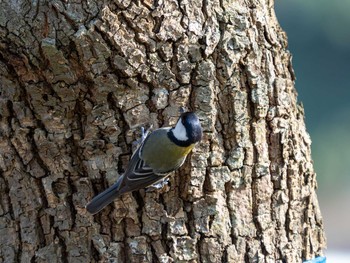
x: 76, y: 81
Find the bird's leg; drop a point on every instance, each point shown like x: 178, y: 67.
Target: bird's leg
x: 158, y: 185
x: 144, y: 134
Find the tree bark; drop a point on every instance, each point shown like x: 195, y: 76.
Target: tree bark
x: 77, y: 81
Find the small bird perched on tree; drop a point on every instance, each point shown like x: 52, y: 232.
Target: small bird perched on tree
x: 160, y: 152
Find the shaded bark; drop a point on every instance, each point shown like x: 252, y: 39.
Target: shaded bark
x: 78, y: 79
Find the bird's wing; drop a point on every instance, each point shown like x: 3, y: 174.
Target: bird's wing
x: 138, y: 175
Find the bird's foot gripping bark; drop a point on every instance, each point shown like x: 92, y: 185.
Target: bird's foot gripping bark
x: 144, y: 135
x: 158, y: 185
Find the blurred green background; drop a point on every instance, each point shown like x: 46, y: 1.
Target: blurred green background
x: 319, y: 39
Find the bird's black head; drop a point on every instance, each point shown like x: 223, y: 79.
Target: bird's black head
x: 193, y: 126
x: 188, y: 130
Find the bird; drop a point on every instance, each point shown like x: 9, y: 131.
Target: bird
x: 161, y: 152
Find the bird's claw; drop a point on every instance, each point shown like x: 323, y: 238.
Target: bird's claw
x: 158, y: 185
x: 144, y: 135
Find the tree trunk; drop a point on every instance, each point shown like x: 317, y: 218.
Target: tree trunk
x: 77, y: 82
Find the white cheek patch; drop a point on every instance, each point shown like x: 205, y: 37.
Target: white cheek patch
x: 180, y: 132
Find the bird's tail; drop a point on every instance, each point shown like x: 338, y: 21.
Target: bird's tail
x: 103, y: 199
